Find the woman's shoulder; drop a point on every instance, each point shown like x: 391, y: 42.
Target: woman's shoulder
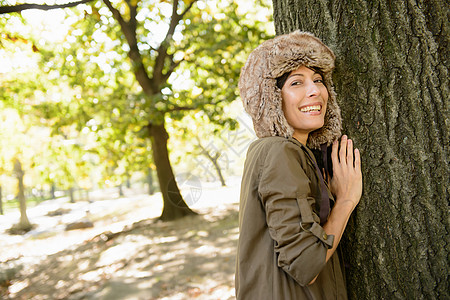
x: 276, y: 145
x: 277, y: 141
x: 271, y: 141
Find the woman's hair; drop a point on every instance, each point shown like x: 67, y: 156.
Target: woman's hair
x: 282, y: 79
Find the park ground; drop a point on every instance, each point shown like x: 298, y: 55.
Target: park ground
x: 128, y: 254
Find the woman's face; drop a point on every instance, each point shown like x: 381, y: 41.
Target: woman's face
x: 304, y: 101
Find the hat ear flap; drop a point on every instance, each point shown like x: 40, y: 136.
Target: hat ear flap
x: 269, y: 119
x: 281, y: 125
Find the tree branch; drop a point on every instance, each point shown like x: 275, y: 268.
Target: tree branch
x: 22, y: 7
x: 187, y: 9
x: 116, y: 14
x: 133, y: 14
x: 162, y: 51
x: 129, y: 31
x: 173, y: 65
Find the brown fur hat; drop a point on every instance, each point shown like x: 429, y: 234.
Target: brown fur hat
x: 262, y: 98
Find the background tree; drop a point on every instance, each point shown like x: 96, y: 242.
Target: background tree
x: 24, y: 224
x: 197, y: 39
x: 207, y: 43
x: 392, y: 83
x: 210, y: 151
x: 16, y: 152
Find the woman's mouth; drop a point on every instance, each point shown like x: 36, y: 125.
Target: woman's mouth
x: 311, y: 108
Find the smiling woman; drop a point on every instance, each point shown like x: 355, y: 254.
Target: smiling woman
x: 288, y: 232
x: 304, y: 102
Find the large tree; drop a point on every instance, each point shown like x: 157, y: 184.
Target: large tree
x: 391, y: 77
x: 207, y: 44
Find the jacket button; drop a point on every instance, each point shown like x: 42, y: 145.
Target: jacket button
x: 325, y: 236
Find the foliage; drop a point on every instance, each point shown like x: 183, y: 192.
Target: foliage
x: 87, y: 93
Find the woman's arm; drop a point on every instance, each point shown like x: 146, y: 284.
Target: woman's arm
x: 300, y: 242
x: 346, y: 185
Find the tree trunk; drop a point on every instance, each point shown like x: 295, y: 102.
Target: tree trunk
x: 52, y: 191
x: 219, y: 171
x: 392, y: 83
x: 71, y: 195
x: 24, y: 223
x: 120, y: 188
x: 174, y: 205
x: 214, y: 159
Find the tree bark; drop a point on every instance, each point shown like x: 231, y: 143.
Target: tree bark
x: 174, y: 205
x: 391, y: 78
x: 24, y: 223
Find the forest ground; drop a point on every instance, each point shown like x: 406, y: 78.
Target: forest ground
x: 128, y: 254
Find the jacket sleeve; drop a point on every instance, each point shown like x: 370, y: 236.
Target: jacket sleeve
x: 300, y: 242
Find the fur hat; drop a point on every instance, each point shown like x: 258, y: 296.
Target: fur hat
x: 262, y: 98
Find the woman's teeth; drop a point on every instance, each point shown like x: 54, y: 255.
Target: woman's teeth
x: 311, y: 108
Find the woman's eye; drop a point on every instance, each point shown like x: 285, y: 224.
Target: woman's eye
x: 296, y: 83
x: 318, y: 80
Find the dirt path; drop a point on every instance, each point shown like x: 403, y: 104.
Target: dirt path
x: 192, y: 258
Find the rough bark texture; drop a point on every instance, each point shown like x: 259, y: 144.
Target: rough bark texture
x: 391, y: 77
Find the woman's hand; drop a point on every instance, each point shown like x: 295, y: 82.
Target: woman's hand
x: 346, y: 184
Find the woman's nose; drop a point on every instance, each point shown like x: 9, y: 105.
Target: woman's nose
x: 312, y: 89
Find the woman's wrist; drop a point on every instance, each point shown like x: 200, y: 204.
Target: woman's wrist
x: 345, y: 204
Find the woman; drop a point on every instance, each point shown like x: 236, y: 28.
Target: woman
x: 288, y: 233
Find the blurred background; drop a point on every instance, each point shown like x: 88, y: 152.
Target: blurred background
x: 122, y: 141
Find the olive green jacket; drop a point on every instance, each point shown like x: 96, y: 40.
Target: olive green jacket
x: 282, y: 246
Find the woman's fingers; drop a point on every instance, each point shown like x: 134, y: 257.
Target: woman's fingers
x: 343, y: 151
x: 347, y: 180
x: 334, y: 153
x: 357, y: 161
x: 350, y: 153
